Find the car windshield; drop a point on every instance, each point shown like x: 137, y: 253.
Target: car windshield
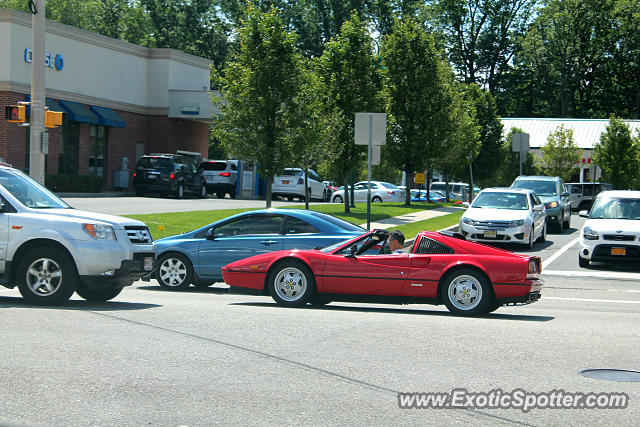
x: 338, y: 222
x: 542, y: 188
x: 292, y: 172
x: 161, y: 163
x: 615, y: 208
x: 512, y: 201
x: 29, y: 192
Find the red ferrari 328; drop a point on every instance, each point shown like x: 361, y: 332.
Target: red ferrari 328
x: 440, y: 268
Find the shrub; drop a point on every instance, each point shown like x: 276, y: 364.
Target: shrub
x: 73, y: 183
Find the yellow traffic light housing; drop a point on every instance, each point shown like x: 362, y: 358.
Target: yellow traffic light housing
x: 52, y: 119
x: 16, y: 113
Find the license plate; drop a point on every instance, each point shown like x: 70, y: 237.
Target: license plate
x: 285, y: 182
x: 151, y: 177
x: 209, y: 178
x: 490, y: 234
x: 618, y: 251
x: 148, y: 263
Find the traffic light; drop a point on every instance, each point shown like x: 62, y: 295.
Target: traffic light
x: 52, y: 119
x: 15, y: 113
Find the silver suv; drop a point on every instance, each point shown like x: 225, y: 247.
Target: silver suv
x: 50, y: 250
x: 220, y: 177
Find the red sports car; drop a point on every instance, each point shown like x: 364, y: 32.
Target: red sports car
x: 469, y: 278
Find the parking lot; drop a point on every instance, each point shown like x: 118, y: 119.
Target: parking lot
x: 203, y: 357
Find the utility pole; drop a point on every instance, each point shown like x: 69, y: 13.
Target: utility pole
x: 36, y: 155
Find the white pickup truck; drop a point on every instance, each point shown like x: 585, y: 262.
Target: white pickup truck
x: 51, y: 250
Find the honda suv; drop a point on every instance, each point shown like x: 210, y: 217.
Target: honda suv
x: 220, y: 177
x: 168, y: 174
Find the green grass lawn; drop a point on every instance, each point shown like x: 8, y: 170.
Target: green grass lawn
x: 169, y: 224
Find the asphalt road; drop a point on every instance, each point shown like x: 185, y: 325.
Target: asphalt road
x: 213, y: 357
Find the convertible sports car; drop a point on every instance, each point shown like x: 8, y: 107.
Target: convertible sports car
x: 469, y: 278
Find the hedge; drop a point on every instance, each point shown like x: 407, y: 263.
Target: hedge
x: 73, y: 183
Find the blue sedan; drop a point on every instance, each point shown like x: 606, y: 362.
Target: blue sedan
x: 197, y: 257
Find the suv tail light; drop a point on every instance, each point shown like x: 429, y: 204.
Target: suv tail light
x: 300, y: 181
x: 224, y: 174
x: 172, y: 176
x: 135, y: 174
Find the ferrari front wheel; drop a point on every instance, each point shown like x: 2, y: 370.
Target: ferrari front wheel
x: 292, y: 284
x: 466, y: 292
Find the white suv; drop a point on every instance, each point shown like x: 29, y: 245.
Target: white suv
x: 612, y: 230
x: 220, y: 177
x: 50, y: 250
x: 290, y: 184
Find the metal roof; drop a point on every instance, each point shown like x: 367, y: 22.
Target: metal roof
x: 586, y: 132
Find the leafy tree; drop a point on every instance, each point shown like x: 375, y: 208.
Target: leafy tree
x: 561, y: 154
x: 415, y: 97
x: 350, y: 73
x: 617, y: 154
x: 260, y: 88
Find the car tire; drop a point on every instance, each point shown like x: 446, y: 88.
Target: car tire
x: 232, y: 195
x: 46, y: 276
x: 174, y: 271
x: 466, y: 292
x: 338, y: 199
x: 203, y: 192
x: 376, y: 199
x: 560, y: 223
x: 532, y: 240
x: 291, y: 284
x: 180, y: 191
x: 543, y: 236
x: 583, y: 262
x: 567, y: 223
x: 220, y: 194
x: 97, y: 295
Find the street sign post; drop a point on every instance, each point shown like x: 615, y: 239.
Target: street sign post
x: 520, y: 144
x: 370, y: 129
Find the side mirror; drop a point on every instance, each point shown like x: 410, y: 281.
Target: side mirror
x: 584, y: 214
x: 209, y: 234
x: 352, y: 252
x: 565, y: 194
x: 538, y: 207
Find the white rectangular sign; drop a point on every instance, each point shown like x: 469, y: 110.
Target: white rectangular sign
x: 377, y: 122
x: 520, y: 142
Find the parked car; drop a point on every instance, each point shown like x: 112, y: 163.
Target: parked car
x: 198, y: 256
x: 220, y: 177
x: 457, y: 190
x: 505, y: 215
x: 581, y: 194
x: 612, y: 230
x: 380, y: 192
x: 553, y: 193
x: 50, y: 250
x: 168, y: 174
x: 290, y: 184
x: 467, y: 277
x: 421, y: 196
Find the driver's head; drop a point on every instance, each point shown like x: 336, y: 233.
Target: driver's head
x: 396, y: 240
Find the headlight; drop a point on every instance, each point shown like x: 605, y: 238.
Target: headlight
x: 517, y: 223
x: 551, y: 205
x: 589, y: 234
x: 468, y: 221
x: 99, y: 231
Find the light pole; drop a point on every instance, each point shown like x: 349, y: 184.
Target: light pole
x: 36, y: 156
x: 470, y: 158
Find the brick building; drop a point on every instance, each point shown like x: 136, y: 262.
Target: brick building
x: 119, y: 99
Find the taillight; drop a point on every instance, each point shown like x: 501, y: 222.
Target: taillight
x: 300, y: 181
x: 135, y: 174
x: 535, y: 268
x: 172, y: 176
x: 224, y: 174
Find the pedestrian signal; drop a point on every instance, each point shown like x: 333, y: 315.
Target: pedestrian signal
x: 15, y: 113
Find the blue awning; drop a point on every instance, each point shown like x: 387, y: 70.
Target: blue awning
x: 108, y: 117
x: 78, y: 113
x: 49, y: 102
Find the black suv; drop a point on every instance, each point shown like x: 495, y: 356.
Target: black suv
x: 168, y: 174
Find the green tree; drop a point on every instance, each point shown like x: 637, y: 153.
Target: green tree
x: 415, y: 97
x: 350, y: 73
x: 561, y: 154
x: 260, y: 87
x: 617, y: 153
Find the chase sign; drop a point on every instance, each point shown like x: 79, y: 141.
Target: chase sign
x: 50, y: 60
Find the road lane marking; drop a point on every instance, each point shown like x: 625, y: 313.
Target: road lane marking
x: 598, y: 274
x: 562, y: 250
x: 617, y: 301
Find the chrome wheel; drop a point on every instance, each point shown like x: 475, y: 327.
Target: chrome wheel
x: 338, y: 199
x: 465, y: 292
x: 44, y: 277
x: 290, y: 284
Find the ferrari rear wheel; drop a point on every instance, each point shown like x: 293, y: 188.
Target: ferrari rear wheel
x: 466, y: 292
x: 292, y: 284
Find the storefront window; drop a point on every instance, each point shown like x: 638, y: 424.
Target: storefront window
x: 68, y: 150
x: 97, y: 150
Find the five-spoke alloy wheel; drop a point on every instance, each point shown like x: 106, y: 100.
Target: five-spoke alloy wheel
x: 291, y: 283
x: 465, y: 291
x: 46, y: 276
